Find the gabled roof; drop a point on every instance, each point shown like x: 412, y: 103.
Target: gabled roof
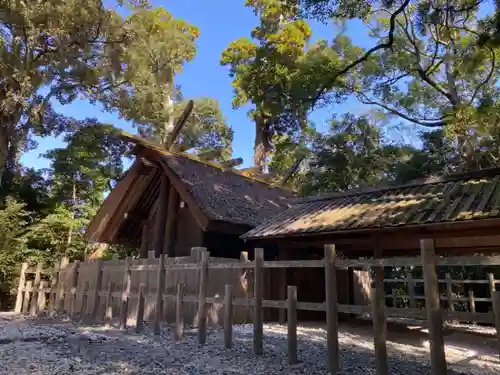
x: 214, y: 193
x: 453, y: 198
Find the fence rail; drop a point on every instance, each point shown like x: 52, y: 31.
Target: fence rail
x: 63, y: 288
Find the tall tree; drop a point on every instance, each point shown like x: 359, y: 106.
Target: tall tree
x: 84, y: 170
x: 206, y: 128
x: 264, y: 71
x: 49, y: 50
x: 159, y: 47
x: 63, y: 49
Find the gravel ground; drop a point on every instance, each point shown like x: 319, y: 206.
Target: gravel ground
x: 48, y: 347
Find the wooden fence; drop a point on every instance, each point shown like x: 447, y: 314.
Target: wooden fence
x: 32, y: 297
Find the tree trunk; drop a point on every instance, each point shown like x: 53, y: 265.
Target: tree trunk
x: 168, y: 125
x: 70, y: 231
x: 4, y: 150
x: 262, y: 144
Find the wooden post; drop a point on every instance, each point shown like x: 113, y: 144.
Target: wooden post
x: 61, y: 288
x: 161, y: 217
x: 248, y: 312
x: 379, y: 331
x: 258, y: 324
x: 83, y: 305
x: 54, y: 285
x: 491, y: 283
x: 378, y: 313
x: 411, y: 291
x: 126, y: 295
x: 202, y: 298
x: 449, y: 292
x: 74, y: 283
x: 160, y: 287
x: 109, y: 302
x: 41, y: 296
x: 433, y: 308
x: 179, y: 322
x: 20, y: 288
x: 496, y: 311
x: 171, y: 223
x: 472, y: 304
x: 97, y: 289
x: 144, y: 240
x: 292, y: 324
x: 228, y: 316
x: 36, y: 285
x: 332, y: 310
x: 140, y: 310
x: 394, y: 298
x: 27, y: 294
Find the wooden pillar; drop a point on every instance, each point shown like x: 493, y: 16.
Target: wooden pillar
x: 161, y: 217
x: 171, y: 224
x: 496, y: 311
x: 144, y: 240
x: 378, y: 317
x: 282, y: 287
x: 179, y: 321
x: 258, y: 325
x: 292, y: 324
x: 433, y: 308
x: 160, y: 287
x: 139, y: 321
x: 36, y: 285
x: 97, y: 289
x: 332, y: 310
x: 411, y: 291
x: 54, y: 282
x: 228, y: 316
x: 20, y: 288
x: 202, y: 299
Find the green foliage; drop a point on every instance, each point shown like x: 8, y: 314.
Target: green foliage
x: 88, y: 166
x: 205, y: 129
x: 266, y: 72
x: 14, y: 220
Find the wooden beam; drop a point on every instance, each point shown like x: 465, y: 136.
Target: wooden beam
x: 210, y: 154
x: 144, y: 240
x: 171, y: 225
x: 161, y: 217
x: 250, y: 171
x: 289, y: 174
x: 232, y: 163
x: 178, y: 125
x: 180, y: 148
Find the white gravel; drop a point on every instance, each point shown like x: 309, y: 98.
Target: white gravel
x: 47, y: 347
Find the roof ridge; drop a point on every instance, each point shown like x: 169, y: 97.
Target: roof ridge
x: 480, y: 173
x: 146, y: 143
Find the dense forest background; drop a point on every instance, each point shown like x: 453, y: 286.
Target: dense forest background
x: 432, y: 70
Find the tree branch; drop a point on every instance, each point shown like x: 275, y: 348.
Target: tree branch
x: 427, y: 123
x: 488, y: 77
x: 390, y: 41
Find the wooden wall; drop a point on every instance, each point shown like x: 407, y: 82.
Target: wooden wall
x: 113, y: 280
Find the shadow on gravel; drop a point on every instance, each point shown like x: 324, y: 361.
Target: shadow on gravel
x: 148, y: 353
x: 123, y: 352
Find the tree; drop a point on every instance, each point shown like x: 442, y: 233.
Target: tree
x: 159, y: 48
x: 350, y: 155
x: 62, y: 49
x: 13, y: 244
x: 49, y: 50
x: 265, y: 72
x: 206, y: 128
x: 83, y: 171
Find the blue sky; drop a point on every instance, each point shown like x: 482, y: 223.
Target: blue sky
x: 220, y: 22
